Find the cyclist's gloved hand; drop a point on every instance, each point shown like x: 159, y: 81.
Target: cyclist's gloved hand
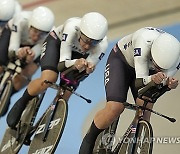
x: 158, y: 77
x: 90, y: 68
x: 172, y: 83
x: 30, y: 56
x: 80, y: 64
x: 26, y: 55
x: 152, y: 91
x: 22, y: 52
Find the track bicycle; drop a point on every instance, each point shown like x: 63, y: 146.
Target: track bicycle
x: 138, y: 138
x: 49, y: 127
x: 10, y: 71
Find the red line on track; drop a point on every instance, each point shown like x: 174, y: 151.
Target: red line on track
x: 36, y: 3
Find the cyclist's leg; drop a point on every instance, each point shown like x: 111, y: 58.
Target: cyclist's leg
x: 116, y: 84
x: 88, y: 142
x: 20, y: 81
x: 16, y: 111
x: 34, y: 88
x: 102, y: 120
x: 49, y: 62
x: 4, y: 44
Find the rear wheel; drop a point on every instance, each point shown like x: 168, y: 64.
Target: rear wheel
x: 5, y: 97
x: 144, y: 134
x: 56, y: 128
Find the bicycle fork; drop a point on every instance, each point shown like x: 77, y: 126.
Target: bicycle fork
x: 126, y: 144
x: 50, y: 117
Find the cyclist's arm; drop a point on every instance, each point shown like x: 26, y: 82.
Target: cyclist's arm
x: 65, y: 49
x: 141, y: 60
x: 15, y: 38
x: 97, y: 53
x: 171, y: 81
x: 37, y: 50
x: 68, y: 36
x: 152, y: 91
x: 61, y: 66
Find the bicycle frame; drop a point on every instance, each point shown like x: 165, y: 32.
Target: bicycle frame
x: 33, y: 126
x: 53, y: 106
x: 14, y: 139
x: 60, y: 95
x: 130, y: 136
x: 53, y: 122
x: 129, y: 142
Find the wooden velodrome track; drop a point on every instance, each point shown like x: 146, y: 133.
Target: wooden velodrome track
x: 126, y: 16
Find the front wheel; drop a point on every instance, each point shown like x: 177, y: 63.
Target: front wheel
x: 5, y: 97
x: 103, y: 144
x: 144, y: 142
x: 13, y: 140
x: 106, y: 140
x: 56, y: 128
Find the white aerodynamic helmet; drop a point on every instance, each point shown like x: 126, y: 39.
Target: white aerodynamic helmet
x: 94, y: 25
x: 165, y: 50
x: 42, y: 18
x: 7, y: 9
x: 18, y: 7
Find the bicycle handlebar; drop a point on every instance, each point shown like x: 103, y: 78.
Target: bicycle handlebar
x: 72, y: 76
x: 70, y: 69
x: 152, y: 91
x: 58, y: 87
x: 136, y: 107
x: 15, y: 67
x: 147, y: 87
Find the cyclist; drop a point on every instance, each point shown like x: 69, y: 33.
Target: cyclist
x: 79, y: 42
x: 8, y: 9
x: 22, y: 37
x: 148, y: 50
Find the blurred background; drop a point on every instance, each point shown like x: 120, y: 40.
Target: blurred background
x: 124, y: 17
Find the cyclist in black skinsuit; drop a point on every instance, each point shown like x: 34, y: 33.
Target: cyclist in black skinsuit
x: 8, y: 9
x: 134, y: 58
x: 22, y: 37
x: 79, y: 42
